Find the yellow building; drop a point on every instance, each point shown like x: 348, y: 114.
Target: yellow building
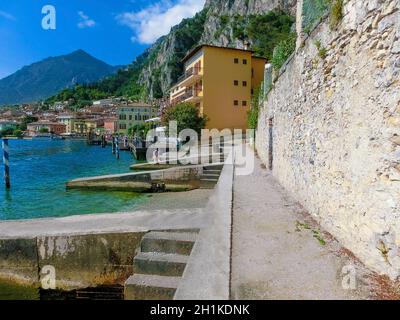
x: 133, y: 114
x: 69, y: 121
x: 85, y: 126
x: 220, y: 82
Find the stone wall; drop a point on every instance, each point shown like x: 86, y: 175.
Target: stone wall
x: 336, y: 130
x: 80, y: 261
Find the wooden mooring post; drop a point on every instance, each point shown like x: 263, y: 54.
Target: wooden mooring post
x: 6, y: 163
x: 117, y: 147
x: 113, y: 145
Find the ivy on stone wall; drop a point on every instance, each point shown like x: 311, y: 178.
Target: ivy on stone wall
x: 252, y: 114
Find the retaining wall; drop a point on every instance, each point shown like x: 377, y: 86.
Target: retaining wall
x: 79, y: 260
x: 330, y: 128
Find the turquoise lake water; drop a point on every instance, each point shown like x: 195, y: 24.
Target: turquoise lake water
x: 39, y: 170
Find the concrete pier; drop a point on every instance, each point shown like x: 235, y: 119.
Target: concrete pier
x: 87, y: 250
x: 175, y: 179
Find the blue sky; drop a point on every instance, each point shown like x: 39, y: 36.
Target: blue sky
x: 115, y: 31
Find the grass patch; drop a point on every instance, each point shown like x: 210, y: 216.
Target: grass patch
x: 10, y: 290
x: 316, y: 233
x: 322, y: 51
x: 336, y: 14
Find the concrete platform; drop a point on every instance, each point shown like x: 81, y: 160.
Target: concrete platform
x: 138, y: 221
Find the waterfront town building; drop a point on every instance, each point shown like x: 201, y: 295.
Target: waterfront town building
x: 107, y: 103
x: 133, y: 114
x: 220, y: 82
x: 69, y: 122
x: 39, y: 127
x: 58, y: 106
x: 85, y: 126
x: 110, y: 125
x: 4, y: 125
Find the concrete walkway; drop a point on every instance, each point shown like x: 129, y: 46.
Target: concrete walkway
x: 278, y: 252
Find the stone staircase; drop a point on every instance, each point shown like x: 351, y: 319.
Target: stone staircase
x: 210, y: 176
x: 159, y: 265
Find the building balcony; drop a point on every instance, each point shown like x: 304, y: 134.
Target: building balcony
x: 194, y: 96
x: 191, y: 75
x: 191, y: 95
x: 177, y: 93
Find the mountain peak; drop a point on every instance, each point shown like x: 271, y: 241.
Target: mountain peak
x: 79, y: 52
x: 45, y: 78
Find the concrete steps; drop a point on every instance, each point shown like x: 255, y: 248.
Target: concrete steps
x: 207, y: 184
x: 169, y: 242
x: 218, y: 167
x: 150, y: 287
x: 212, y: 179
x: 210, y: 176
x: 160, y: 264
x: 211, y: 171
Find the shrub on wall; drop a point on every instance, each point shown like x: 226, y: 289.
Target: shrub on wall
x: 283, y: 51
x: 252, y: 114
x: 322, y: 51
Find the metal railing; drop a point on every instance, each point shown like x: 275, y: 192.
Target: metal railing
x: 191, y: 93
x: 189, y: 73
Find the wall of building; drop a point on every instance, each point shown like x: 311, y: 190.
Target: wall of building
x: 219, y: 90
x: 336, y: 130
x: 258, y: 66
x: 128, y: 117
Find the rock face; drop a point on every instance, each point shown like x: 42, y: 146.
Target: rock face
x: 336, y: 129
x: 249, y: 7
x: 164, y: 67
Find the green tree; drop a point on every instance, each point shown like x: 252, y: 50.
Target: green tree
x: 18, y: 133
x: 266, y: 31
x: 7, y: 132
x: 27, y: 120
x: 44, y: 130
x: 187, y: 115
x: 140, y: 130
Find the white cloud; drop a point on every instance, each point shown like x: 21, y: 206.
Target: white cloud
x: 157, y: 19
x: 6, y: 15
x: 85, y: 22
